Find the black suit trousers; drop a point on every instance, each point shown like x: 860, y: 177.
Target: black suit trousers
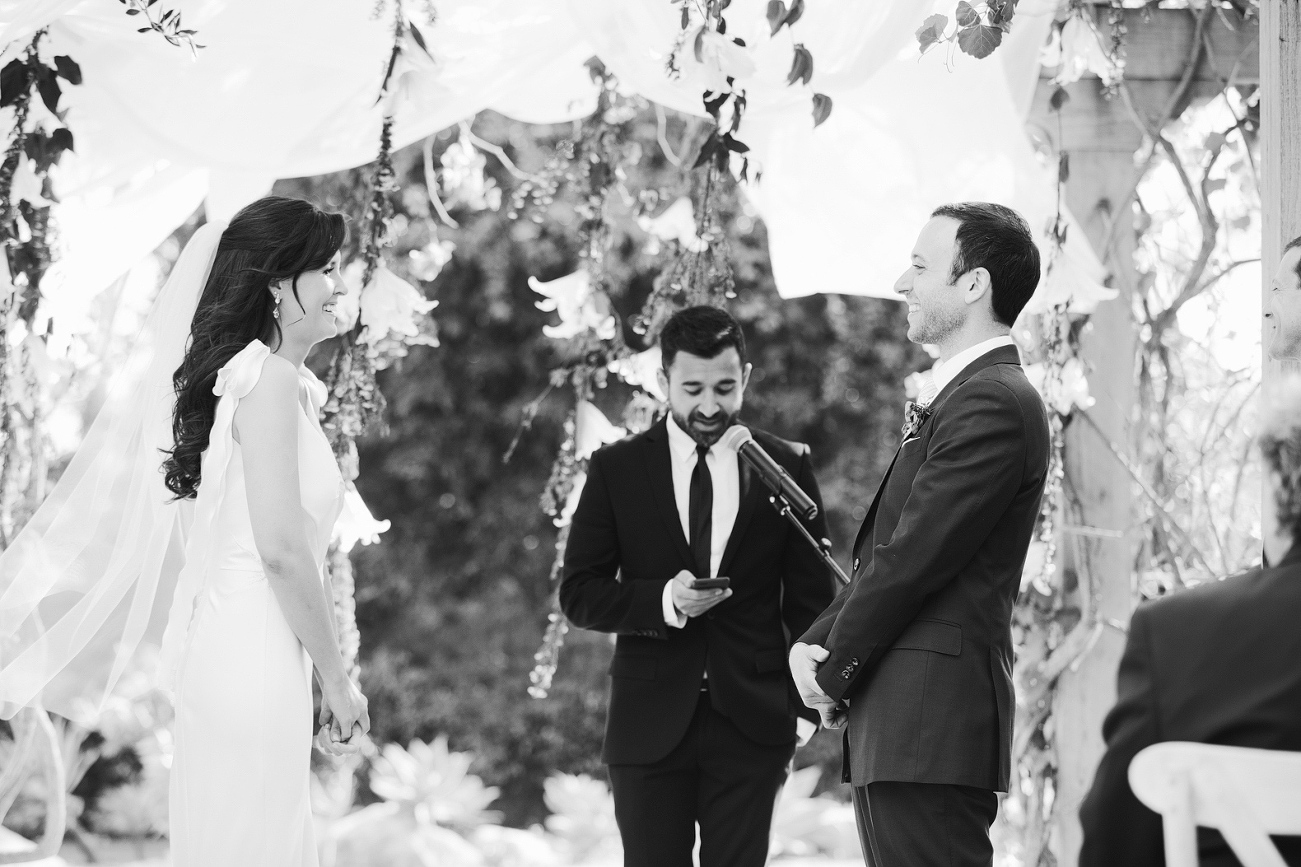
x: 717, y: 777
x: 933, y: 824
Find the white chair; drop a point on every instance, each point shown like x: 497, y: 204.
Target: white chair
x: 1245, y: 794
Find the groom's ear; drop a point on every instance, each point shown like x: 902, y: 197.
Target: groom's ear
x: 976, y: 285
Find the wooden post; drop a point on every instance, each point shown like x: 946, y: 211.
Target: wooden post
x: 1100, y: 548
x: 1280, y: 146
x: 1099, y: 544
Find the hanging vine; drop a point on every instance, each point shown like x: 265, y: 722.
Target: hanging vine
x: 34, y: 147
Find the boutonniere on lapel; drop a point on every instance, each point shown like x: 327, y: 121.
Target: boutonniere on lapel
x: 914, y: 416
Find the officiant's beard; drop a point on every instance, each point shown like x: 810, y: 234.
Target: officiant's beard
x: 694, y: 425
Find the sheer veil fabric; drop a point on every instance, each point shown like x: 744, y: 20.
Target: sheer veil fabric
x: 86, y: 586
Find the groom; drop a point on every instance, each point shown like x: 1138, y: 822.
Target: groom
x: 916, y: 654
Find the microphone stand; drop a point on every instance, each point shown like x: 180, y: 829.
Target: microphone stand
x: 783, y: 507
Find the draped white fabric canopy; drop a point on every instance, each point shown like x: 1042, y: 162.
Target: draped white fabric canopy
x: 289, y: 89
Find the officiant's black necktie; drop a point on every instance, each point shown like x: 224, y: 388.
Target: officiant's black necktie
x: 700, y: 513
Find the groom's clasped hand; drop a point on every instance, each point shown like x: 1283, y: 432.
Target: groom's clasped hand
x: 804, y: 662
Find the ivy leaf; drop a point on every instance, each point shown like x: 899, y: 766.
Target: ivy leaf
x: 686, y: 17
x: 61, y: 140
x: 133, y: 12
x: 47, y: 84
x: 1063, y: 167
x: 980, y: 41
x: 68, y: 69
x: 966, y: 16
x: 735, y: 145
x: 707, y: 150
x: 13, y: 82
x: 699, y: 46
x: 420, y: 40
x: 797, y: 11
x: 931, y: 31
x: 801, y: 65
x: 821, y: 108
x: 776, y: 15
x: 1001, y: 13
x: 1059, y: 98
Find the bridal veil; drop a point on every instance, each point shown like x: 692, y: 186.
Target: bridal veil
x: 86, y: 586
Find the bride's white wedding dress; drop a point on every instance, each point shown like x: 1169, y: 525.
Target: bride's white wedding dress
x: 244, y: 725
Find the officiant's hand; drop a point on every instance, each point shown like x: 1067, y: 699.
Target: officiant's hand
x: 694, y: 603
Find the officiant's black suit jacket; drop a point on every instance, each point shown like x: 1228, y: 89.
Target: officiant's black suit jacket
x: 626, y: 542
x: 1217, y: 664
x: 921, y: 642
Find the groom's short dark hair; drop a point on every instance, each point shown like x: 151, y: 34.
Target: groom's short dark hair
x: 1292, y: 245
x: 702, y: 331
x: 996, y: 238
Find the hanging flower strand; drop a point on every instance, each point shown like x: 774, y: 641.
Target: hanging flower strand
x: 387, y: 310
x: 592, y: 166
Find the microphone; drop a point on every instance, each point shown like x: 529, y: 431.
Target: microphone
x: 739, y: 439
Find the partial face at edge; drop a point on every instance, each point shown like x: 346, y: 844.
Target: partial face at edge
x: 1283, y: 309
x: 705, y: 394
x: 936, y: 309
x: 318, y: 291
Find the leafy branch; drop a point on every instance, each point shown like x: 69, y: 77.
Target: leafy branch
x: 978, y: 30
x: 167, y: 25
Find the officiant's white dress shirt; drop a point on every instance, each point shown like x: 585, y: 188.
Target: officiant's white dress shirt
x: 725, y: 475
x: 724, y: 472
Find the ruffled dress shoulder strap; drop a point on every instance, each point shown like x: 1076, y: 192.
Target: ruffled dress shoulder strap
x: 316, y: 390
x: 234, y: 381
x: 238, y: 376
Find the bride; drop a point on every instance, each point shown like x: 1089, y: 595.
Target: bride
x: 218, y: 558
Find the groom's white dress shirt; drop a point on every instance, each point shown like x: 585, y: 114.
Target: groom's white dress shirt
x: 944, y: 372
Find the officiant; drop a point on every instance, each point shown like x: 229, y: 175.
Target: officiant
x: 675, y: 549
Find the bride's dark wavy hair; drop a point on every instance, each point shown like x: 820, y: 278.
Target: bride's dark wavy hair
x: 274, y: 238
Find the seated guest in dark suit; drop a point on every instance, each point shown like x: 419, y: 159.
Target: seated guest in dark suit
x: 703, y: 712
x: 1216, y: 664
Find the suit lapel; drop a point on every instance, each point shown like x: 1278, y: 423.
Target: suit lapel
x: 1001, y: 355
x: 868, y: 521
x: 659, y: 467
x: 749, y: 495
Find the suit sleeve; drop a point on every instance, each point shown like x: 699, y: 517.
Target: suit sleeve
x: 1118, y: 830
x: 971, y: 473
x: 807, y: 584
x: 591, y: 594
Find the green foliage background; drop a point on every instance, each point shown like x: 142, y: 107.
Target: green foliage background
x: 452, y: 603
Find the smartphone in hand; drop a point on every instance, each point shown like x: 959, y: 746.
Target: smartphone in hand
x: 710, y: 584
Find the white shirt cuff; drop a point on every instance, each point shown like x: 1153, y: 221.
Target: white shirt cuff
x: 804, y: 729
x: 672, y: 616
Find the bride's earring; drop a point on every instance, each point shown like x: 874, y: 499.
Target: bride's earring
x: 275, y: 311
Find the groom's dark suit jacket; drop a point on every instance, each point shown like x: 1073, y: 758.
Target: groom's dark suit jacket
x: 921, y: 642
x: 1217, y: 664
x: 626, y: 542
